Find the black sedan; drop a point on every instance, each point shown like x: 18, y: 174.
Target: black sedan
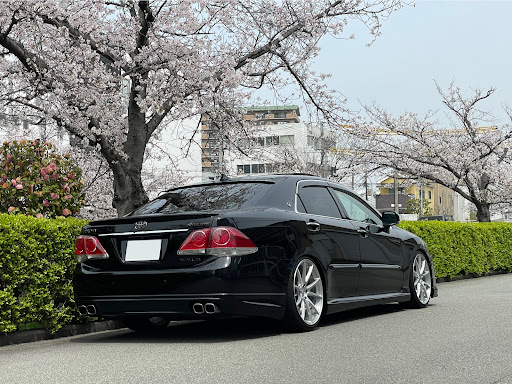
x: 290, y: 247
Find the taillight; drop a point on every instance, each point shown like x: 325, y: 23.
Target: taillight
x: 218, y: 241
x: 89, y: 247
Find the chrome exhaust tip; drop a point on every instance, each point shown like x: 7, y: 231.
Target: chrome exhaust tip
x: 211, y: 308
x: 91, y: 309
x: 198, y: 308
x: 82, y: 309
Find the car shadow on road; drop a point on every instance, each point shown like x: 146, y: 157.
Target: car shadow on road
x: 360, y: 313
x: 227, y: 330
x: 211, y: 331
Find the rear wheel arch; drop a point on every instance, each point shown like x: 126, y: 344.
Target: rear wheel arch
x: 303, y: 299
x: 323, y: 269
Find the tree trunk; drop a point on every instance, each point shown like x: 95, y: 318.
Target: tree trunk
x: 483, y: 213
x: 129, y: 192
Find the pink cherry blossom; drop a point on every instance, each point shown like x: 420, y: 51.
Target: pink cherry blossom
x: 194, y: 56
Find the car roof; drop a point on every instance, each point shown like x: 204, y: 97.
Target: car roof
x: 268, y: 178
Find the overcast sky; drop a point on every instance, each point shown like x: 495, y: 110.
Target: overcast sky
x: 469, y: 42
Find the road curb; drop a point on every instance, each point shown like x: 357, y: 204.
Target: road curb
x: 20, y: 337
x: 469, y: 276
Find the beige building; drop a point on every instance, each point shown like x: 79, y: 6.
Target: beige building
x: 441, y: 200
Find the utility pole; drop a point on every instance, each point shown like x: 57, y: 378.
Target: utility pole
x: 220, y: 132
x: 421, y: 197
x: 395, y: 187
x: 366, y: 185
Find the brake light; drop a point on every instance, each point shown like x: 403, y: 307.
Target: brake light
x: 88, y: 248
x: 218, y: 241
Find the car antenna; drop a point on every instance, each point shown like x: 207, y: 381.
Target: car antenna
x: 222, y: 177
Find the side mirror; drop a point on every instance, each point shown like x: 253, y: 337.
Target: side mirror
x: 390, y: 218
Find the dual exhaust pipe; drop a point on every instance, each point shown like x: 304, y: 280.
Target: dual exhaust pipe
x: 198, y: 308
x: 87, y: 310
x: 208, y: 308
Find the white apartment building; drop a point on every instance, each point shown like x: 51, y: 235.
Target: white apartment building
x: 281, y: 144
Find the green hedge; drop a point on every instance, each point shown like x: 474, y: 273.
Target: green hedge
x: 465, y: 248
x: 36, y: 265
x: 37, y: 261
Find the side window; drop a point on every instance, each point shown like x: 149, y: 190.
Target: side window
x: 356, y: 209
x: 318, y: 201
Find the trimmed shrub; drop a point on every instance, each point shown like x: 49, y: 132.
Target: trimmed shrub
x: 465, y: 248
x: 36, y: 266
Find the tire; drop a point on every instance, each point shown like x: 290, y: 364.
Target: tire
x: 146, y: 324
x: 305, y: 301
x: 420, y: 282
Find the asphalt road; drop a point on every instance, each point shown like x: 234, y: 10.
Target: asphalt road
x: 464, y: 336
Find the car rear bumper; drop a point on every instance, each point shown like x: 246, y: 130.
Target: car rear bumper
x: 187, y: 306
x: 173, y: 294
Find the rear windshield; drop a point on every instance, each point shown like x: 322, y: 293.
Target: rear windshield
x: 212, y: 197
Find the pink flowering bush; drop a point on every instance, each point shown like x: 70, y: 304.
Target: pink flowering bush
x: 35, y: 181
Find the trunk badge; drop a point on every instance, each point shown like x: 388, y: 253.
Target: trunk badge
x: 140, y: 225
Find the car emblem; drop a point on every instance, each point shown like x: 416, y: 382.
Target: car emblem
x: 139, y: 225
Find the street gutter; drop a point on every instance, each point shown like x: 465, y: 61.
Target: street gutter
x: 19, y: 337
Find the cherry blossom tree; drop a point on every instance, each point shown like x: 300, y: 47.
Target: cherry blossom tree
x: 472, y: 157
x: 113, y: 73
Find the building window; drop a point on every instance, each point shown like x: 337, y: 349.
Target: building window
x: 271, y: 140
x: 287, y: 139
x: 254, y: 168
x: 314, y: 142
x: 430, y: 195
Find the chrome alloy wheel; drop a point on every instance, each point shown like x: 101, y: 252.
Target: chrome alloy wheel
x: 422, y: 281
x: 308, y: 292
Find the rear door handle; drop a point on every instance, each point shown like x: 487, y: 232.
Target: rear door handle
x: 313, y: 226
x: 362, y: 232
